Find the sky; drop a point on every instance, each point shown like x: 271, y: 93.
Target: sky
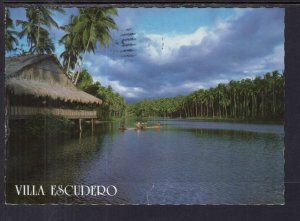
x: 180, y: 50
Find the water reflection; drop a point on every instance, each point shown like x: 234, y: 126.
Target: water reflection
x: 47, y: 161
x: 182, y: 163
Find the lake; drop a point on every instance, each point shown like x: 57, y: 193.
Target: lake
x: 184, y: 162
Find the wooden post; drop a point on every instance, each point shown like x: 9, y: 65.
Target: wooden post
x: 92, y: 125
x: 79, y: 121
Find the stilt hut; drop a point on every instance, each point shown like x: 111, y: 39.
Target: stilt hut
x: 37, y: 84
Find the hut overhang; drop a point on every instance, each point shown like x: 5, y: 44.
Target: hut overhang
x: 42, y: 77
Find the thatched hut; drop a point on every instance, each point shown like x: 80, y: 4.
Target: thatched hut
x: 37, y: 84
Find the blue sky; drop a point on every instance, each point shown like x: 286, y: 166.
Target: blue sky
x: 179, y: 50
x: 174, y: 20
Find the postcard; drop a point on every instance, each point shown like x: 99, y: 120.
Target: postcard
x: 144, y: 106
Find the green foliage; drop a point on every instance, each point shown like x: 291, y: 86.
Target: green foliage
x: 85, y: 80
x: 73, y: 48
x: 93, y: 25
x: 10, y: 34
x: 35, y: 28
x: 89, y: 27
x: 113, y: 104
x: 50, y: 125
x: 260, y: 98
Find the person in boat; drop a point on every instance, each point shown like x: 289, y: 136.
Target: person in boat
x: 138, y: 125
x: 122, y: 127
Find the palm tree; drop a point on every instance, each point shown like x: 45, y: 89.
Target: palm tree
x: 201, y: 98
x: 10, y: 35
x: 39, y: 19
x: 219, y: 92
x: 71, y: 54
x: 91, y: 26
x: 211, y: 99
x: 274, y: 78
x: 44, y: 17
x: 28, y: 28
x: 45, y: 45
x: 258, y: 90
x: 85, y: 80
x: 206, y: 100
x: 69, y: 57
x: 233, y: 91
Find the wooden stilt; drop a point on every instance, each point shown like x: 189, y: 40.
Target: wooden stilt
x: 80, y: 128
x: 92, y: 125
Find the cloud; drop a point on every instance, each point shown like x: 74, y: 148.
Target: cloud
x: 163, y: 47
x: 129, y: 92
x: 246, y: 44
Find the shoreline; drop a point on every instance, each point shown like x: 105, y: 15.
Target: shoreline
x: 216, y: 119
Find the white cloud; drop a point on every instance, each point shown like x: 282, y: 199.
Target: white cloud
x: 275, y: 58
x: 162, y: 48
x: 129, y: 92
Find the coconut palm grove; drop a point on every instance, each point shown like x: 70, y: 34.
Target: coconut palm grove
x: 259, y: 97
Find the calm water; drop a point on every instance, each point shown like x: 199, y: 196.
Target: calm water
x: 185, y: 162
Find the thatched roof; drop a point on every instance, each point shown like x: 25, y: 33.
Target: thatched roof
x: 42, y: 76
